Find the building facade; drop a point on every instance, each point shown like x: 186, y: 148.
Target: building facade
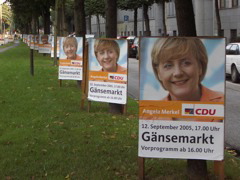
x: 205, y: 19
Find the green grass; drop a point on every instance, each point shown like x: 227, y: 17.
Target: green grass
x: 45, y: 135
x: 6, y: 45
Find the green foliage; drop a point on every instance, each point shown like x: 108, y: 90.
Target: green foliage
x: 95, y: 7
x: 24, y: 10
x: 130, y: 5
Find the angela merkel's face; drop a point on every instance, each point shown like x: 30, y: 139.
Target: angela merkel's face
x: 107, y: 58
x: 181, y: 78
x: 70, y: 50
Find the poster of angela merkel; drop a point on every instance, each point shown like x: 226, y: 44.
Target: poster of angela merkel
x: 182, y: 94
x: 108, y: 63
x: 71, y: 58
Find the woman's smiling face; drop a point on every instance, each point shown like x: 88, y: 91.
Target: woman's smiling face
x: 181, y: 77
x: 70, y: 50
x: 107, y: 58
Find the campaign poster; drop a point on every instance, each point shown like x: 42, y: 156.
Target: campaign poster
x: 44, y: 45
x: 71, y: 58
x: 1, y: 39
x: 32, y: 41
x: 108, y: 70
x: 182, y: 94
x: 58, y: 48
x: 29, y: 37
x: 36, y: 42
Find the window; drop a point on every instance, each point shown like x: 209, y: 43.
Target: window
x: 171, y: 8
x: 234, y: 3
x: 233, y: 35
x: 228, y: 3
x: 234, y: 49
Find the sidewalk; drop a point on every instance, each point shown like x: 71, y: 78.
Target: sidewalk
x: 7, y: 48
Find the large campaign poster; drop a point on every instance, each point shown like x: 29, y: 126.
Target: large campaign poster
x: 182, y: 92
x: 71, y: 58
x: 108, y: 63
x: 44, y: 45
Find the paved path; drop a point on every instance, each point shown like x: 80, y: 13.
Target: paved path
x: 9, y: 47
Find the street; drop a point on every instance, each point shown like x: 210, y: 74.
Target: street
x: 232, y: 110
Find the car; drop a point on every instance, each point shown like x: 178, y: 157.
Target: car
x: 122, y: 37
x: 233, y: 61
x: 133, y: 49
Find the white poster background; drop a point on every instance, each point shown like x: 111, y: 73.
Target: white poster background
x: 110, y: 92
x: 209, y: 135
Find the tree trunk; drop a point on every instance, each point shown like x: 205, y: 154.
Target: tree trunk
x: 56, y: 31
x: 79, y: 22
x: 111, y: 32
x: 79, y: 18
x: 185, y: 18
x: 219, y: 28
x: 64, y: 23
x: 98, y: 26
x: 197, y: 169
x: 135, y: 21
x: 90, y: 22
x: 111, y: 18
x: 146, y: 19
x: 46, y: 21
x: 164, y: 19
x: 59, y: 24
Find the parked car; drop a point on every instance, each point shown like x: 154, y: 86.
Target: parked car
x: 233, y: 61
x: 133, y: 49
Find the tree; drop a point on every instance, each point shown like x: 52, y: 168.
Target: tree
x: 219, y: 28
x: 97, y: 8
x: 25, y: 10
x: 197, y: 169
x: 162, y: 2
x: 131, y: 5
x: 185, y: 18
x: 111, y: 18
x: 79, y: 18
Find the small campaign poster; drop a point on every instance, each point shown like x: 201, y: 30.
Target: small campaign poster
x: 36, y: 42
x: 32, y: 41
x: 182, y: 94
x: 108, y: 63
x: 29, y: 37
x: 44, y: 45
x: 71, y: 58
x: 58, y: 46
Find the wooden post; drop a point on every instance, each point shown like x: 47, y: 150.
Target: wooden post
x: 31, y: 62
x: 85, y: 77
x: 141, y: 168
x: 60, y: 83
x: 219, y: 169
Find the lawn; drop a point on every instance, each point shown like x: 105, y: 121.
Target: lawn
x: 44, y: 134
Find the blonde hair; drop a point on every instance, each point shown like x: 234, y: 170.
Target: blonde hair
x: 70, y: 40
x: 102, y: 44
x: 172, y: 48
